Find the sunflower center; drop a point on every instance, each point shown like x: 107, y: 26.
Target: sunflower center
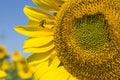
x: 91, y: 31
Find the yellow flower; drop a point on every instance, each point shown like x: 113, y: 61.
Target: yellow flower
x: 24, y: 70
x: 2, y: 74
x: 16, y: 56
x: 3, y: 52
x: 5, y: 65
x: 73, y: 39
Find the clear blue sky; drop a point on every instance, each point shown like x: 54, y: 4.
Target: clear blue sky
x: 11, y: 14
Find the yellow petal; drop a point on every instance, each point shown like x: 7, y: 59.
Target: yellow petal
x: 58, y: 74
x: 44, y: 67
x: 39, y: 49
x: 24, y: 75
x: 59, y: 2
x: 64, y: 0
x: 32, y: 22
x: 37, y: 42
x: 43, y: 23
x: 72, y: 78
x: 2, y: 74
x: 40, y: 69
x: 37, y: 14
x: 33, y: 31
x: 54, y: 64
x: 47, y: 5
x: 40, y: 57
x: 48, y: 26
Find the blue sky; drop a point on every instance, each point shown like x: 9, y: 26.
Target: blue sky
x: 11, y: 14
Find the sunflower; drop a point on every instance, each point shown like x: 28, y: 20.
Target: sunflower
x: 24, y: 70
x: 16, y: 56
x: 73, y: 39
x: 5, y: 65
x: 2, y: 74
x: 3, y: 52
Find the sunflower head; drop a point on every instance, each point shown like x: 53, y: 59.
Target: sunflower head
x: 3, y: 52
x: 87, y: 40
x: 25, y: 72
x: 16, y: 56
x: 3, y: 74
x: 84, y: 33
x: 5, y: 65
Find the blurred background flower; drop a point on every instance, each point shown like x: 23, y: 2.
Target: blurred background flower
x: 14, y: 67
x: 3, y: 52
